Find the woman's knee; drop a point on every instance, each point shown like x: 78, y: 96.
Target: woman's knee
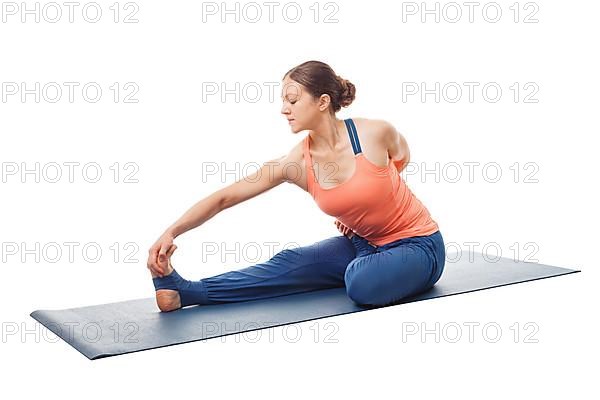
x: 359, y: 293
x: 367, y: 293
x: 370, y: 292
x: 360, y: 287
x: 379, y: 280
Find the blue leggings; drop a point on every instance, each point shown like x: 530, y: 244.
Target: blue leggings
x: 373, y: 276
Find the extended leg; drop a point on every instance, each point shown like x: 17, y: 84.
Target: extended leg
x: 317, y: 266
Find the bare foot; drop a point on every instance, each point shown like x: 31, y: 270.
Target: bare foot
x: 168, y: 299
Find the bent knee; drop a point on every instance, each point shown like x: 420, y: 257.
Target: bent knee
x: 378, y: 293
x: 363, y: 293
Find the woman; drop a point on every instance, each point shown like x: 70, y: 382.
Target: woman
x: 390, y: 249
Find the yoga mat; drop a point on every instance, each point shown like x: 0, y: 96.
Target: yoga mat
x: 111, y: 329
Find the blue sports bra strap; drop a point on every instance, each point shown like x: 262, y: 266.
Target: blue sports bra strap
x: 353, y: 135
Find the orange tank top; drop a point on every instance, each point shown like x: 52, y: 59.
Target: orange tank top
x: 375, y: 202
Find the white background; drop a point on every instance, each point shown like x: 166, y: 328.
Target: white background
x: 171, y: 135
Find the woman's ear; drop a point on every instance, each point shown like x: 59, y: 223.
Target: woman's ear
x: 324, y: 102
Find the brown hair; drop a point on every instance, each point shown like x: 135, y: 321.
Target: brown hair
x: 319, y: 78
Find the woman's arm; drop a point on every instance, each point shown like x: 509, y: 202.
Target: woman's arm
x: 270, y: 175
x: 397, y: 146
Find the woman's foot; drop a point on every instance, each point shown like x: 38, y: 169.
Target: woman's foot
x: 167, y: 299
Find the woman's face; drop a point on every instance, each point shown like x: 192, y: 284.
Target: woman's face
x: 300, y: 106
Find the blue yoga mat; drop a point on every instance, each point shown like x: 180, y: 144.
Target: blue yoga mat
x: 111, y: 329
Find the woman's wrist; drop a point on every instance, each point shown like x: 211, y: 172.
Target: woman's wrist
x: 171, y: 232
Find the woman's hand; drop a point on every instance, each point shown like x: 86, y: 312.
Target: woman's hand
x: 158, y: 258
x: 344, y: 229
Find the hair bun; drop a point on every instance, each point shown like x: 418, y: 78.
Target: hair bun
x: 347, y: 92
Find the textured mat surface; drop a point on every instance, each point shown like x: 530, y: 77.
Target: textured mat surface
x: 117, y: 328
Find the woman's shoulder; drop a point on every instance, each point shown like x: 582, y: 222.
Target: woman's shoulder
x: 295, y: 156
x: 375, y: 133
x: 372, y: 126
